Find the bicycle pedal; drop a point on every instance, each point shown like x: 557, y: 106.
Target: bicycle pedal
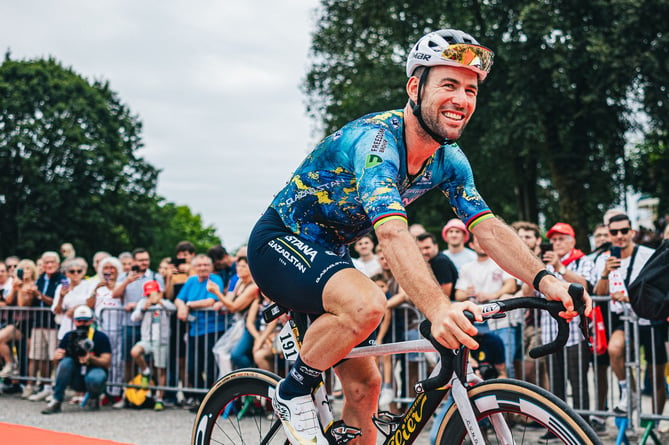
x: 339, y: 433
x: 386, y: 422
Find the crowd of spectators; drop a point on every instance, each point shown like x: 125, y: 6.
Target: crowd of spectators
x: 211, y: 301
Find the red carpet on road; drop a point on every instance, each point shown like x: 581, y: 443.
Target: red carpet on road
x: 20, y: 434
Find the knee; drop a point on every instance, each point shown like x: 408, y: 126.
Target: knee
x: 136, y: 351
x: 369, y: 313
x: 95, y: 381
x: 616, y: 348
x: 364, y: 390
x: 66, y: 364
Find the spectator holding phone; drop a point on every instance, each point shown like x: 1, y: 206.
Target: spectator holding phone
x: 130, y: 290
x: 109, y: 313
x: 177, y: 272
x: 572, y: 266
x: 72, y: 292
x: 43, y: 339
x: 22, y: 294
x: 616, y: 271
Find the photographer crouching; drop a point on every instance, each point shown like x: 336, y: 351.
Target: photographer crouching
x: 85, y: 356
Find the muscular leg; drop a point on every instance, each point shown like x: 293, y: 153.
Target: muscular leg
x: 354, y: 307
x: 361, y: 381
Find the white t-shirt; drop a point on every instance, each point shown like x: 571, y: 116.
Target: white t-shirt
x: 617, y: 277
x: 108, y: 309
x: 461, y: 258
x: 487, y: 277
x: 370, y: 267
x: 75, y: 297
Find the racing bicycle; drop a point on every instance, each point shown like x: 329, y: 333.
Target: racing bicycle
x: 237, y: 409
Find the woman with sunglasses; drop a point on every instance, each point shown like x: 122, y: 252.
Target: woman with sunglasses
x: 72, y: 292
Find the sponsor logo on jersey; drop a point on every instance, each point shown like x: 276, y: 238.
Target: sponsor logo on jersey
x: 303, y: 247
x: 380, y: 143
x: 373, y: 161
x: 287, y: 255
x: 312, y: 191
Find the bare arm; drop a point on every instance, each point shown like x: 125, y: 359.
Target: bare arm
x: 511, y: 254
x: 449, y: 325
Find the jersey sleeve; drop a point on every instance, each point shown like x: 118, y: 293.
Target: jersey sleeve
x: 376, y: 163
x: 461, y: 191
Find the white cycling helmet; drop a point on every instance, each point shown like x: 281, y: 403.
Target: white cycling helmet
x: 453, y: 48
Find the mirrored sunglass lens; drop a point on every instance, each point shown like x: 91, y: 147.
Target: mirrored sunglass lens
x: 470, y: 55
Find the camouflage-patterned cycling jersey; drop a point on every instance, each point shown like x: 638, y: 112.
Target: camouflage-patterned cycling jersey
x: 356, y: 179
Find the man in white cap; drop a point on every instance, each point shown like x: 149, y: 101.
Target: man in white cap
x: 456, y: 235
x: 85, y: 356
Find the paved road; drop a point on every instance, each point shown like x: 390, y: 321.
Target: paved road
x: 145, y: 427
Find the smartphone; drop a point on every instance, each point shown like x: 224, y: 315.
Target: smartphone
x: 545, y: 247
x: 178, y: 261
x: 65, y: 283
x: 19, y: 274
x: 615, y: 251
x: 135, y: 268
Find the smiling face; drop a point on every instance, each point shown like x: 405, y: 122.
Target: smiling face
x: 448, y: 99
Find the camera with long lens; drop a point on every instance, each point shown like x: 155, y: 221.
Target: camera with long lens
x: 79, y: 346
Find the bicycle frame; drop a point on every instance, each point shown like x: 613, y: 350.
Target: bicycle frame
x: 453, y: 369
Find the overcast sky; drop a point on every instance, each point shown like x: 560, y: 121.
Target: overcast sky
x: 215, y: 83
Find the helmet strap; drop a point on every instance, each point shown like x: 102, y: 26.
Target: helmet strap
x: 415, y: 107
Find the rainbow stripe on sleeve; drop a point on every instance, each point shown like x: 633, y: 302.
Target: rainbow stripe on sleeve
x: 474, y: 220
x: 388, y: 216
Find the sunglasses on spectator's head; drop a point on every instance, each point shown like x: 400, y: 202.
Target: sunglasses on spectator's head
x: 75, y: 271
x: 624, y: 231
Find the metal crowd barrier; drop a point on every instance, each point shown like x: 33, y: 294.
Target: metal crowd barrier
x: 33, y: 342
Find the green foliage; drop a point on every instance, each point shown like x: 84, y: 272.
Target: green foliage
x: 553, y: 117
x: 177, y: 223
x: 70, y: 169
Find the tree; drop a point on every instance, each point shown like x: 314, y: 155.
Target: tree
x: 550, y: 130
x: 179, y: 224
x: 71, y: 172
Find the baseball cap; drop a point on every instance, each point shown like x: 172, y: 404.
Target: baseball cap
x: 561, y: 228
x: 151, y: 287
x: 455, y: 223
x: 83, y: 312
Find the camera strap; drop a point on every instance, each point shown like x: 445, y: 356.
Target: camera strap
x: 91, y: 333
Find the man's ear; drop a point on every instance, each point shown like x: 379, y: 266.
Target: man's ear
x: 412, y: 88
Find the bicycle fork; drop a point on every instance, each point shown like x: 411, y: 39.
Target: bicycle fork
x: 461, y: 399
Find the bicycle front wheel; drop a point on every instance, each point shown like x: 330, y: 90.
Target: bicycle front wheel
x: 238, y: 410
x: 533, y: 415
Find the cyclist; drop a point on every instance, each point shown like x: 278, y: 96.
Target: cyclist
x: 360, y: 179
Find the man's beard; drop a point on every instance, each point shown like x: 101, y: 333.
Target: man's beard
x: 432, y: 122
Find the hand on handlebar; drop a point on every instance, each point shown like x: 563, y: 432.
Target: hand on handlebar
x: 557, y: 290
x: 452, y: 328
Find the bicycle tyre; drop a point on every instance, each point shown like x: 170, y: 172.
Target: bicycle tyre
x: 247, y: 391
x: 526, y: 403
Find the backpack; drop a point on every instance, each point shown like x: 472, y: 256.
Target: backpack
x: 138, y: 398
x: 649, y: 292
